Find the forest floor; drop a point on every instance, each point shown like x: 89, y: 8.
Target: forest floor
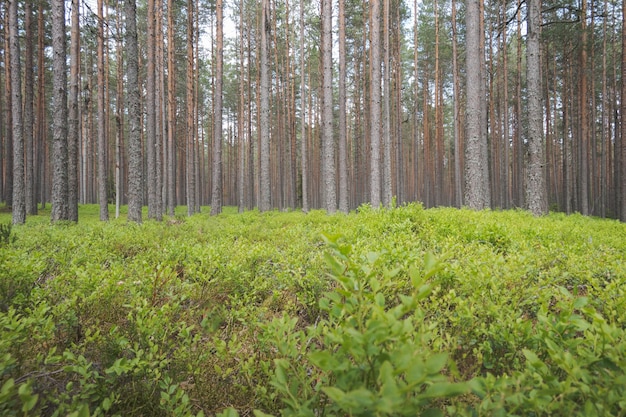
x: 401, y: 311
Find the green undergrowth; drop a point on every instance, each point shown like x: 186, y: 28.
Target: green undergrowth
x: 382, y: 312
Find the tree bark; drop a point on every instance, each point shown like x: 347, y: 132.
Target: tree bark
x: 328, y: 144
x: 135, y: 168
x: 60, y: 209
x: 375, y: 81
x: 622, y: 149
x: 29, y: 149
x: 19, y: 197
x: 102, y: 114
x: 73, y: 133
x: 536, y: 192
x: 476, y: 170
x: 343, y: 157
x: 264, y: 180
x: 216, y: 193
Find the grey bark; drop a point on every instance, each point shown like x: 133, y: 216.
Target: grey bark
x: 154, y: 197
x: 29, y: 119
x: 476, y: 170
x: 536, y: 192
x: 19, y: 198
x: 387, y: 189
x: 73, y: 134
x: 135, y: 164
x: 264, y: 180
x: 328, y: 141
x: 375, y: 174
x: 216, y: 193
x: 60, y: 208
x: 303, y: 147
x: 102, y: 114
x: 343, y: 155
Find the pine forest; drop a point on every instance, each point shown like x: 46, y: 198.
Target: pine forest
x: 292, y: 104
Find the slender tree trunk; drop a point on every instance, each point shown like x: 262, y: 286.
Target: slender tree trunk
x: 73, y: 130
x: 171, y: 111
x: 476, y: 170
x: 191, y: 170
x: 303, y: 141
x: 135, y: 169
x: 60, y: 209
x: 102, y: 114
x: 8, y: 144
x: 622, y: 149
x: 264, y: 180
x: 41, y: 142
x: 343, y: 157
x: 584, y: 116
x: 387, y: 187
x: 328, y: 144
x: 375, y: 81
x: 241, y: 169
x: 458, y: 151
x: 536, y: 193
x: 216, y: 193
x: 19, y: 197
x: 29, y: 149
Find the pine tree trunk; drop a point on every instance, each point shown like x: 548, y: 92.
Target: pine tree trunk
x: 60, y: 209
x: 264, y: 180
x: 328, y: 144
x: 19, y: 197
x: 375, y: 97
x: 216, y: 193
x: 73, y: 133
x: 29, y: 172
x: 135, y: 163
x: 536, y: 197
x: 476, y: 171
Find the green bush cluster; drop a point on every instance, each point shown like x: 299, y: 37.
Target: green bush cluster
x: 403, y: 311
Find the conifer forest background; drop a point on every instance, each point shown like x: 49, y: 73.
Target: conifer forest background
x: 291, y: 104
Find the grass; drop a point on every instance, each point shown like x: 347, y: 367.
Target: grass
x: 509, y: 314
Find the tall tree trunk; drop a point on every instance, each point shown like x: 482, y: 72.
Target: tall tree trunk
x: 375, y: 81
x: 536, y: 193
x: 19, y: 198
x: 119, y: 119
x: 264, y: 180
x: 154, y: 198
x: 328, y: 144
x: 73, y: 132
x: 387, y: 187
x: 343, y: 157
x: 303, y: 142
x: 60, y: 209
x: 40, y: 129
x: 458, y: 151
x: 29, y: 149
x: 476, y: 170
x: 8, y: 134
x: 191, y: 169
x: 171, y: 111
x: 102, y: 114
x: 135, y: 168
x: 622, y: 149
x: 584, y: 116
x: 241, y: 169
x: 216, y: 193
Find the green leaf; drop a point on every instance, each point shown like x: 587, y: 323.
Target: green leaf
x: 435, y: 363
x: 335, y: 394
x: 231, y: 412
x: 7, y: 386
x: 335, y: 267
x: 445, y: 389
